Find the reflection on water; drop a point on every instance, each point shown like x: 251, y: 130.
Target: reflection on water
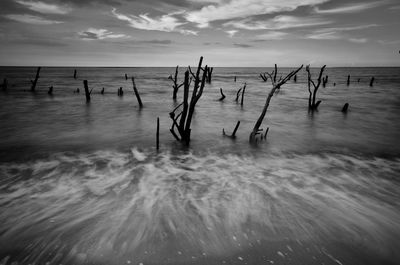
x: 117, y: 208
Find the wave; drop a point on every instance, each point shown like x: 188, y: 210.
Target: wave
x: 115, y: 206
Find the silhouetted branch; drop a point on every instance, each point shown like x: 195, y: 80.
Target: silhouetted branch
x: 233, y: 135
x: 136, y: 93
x: 222, y: 95
x: 33, y: 86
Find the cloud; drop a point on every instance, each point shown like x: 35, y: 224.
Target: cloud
x: 324, y: 36
x: 272, y: 35
x: 36, y: 20
x: 99, y: 34
x: 349, y: 8
x: 278, y: 22
x: 358, y: 40
x: 224, y: 10
x: 240, y: 45
x: 231, y: 33
x: 163, y: 42
x: 45, y: 8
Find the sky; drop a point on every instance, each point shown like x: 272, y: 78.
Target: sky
x: 237, y: 33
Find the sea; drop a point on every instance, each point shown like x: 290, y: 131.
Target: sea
x: 83, y: 183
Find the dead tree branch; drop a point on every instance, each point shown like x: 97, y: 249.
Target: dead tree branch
x: 186, y: 115
x: 34, y: 82
x: 312, y: 105
x: 136, y: 93
x: 175, y: 86
x: 233, y: 135
x: 275, y: 85
x: 222, y: 95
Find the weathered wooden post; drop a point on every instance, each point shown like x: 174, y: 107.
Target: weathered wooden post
x: 87, y: 92
x: 120, y: 92
x: 371, y: 83
x: 33, y: 86
x: 126, y: 77
x: 209, y: 74
x: 50, y: 92
x: 235, y: 78
x: 295, y: 78
x: 238, y: 94
x: 243, y: 90
x: 222, y: 95
x: 75, y: 74
x: 102, y: 91
x: 158, y: 134
x: 136, y: 93
x: 312, y: 105
x: 348, y: 80
x: 233, y: 135
x: 276, y: 84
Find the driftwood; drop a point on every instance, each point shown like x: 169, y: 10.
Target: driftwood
x: 136, y: 93
x: 50, y: 92
x: 276, y: 84
x: 312, y: 105
x: 75, y: 74
x: 175, y: 86
x: 186, y: 115
x: 237, y: 94
x: 87, y: 92
x: 371, y: 83
x: 158, y: 134
x: 34, y: 82
x: 233, y: 135
x: 243, y: 90
x: 209, y: 74
x: 348, y: 80
x: 345, y: 107
x: 222, y: 95
x: 264, y: 77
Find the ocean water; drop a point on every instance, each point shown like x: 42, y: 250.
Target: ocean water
x: 82, y: 183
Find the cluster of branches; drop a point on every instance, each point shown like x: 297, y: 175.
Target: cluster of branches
x: 175, y: 85
x: 181, y: 129
x: 312, y: 105
x: 276, y: 84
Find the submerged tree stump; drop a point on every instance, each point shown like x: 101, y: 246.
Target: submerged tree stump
x: 126, y: 77
x: 50, y: 92
x: 345, y: 108
x: 233, y: 135
x: 120, y: 92
x: 209, y: 74
x: 34, y: 82
x: 348, y: 80
x: 102, y: 91
x: 324, y: 81
x: 186, y: 115
x: 222, y: 95
x: 276, y: 84
x: 4, y: 86
x: 137, y: 93
x: 312, y: 105
x: 75, y: 74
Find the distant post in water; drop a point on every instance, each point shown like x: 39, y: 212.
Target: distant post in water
x: 136, y: 93
x: 34, y: 82
x: 50, y: 92
x: 158, y: 134
x: 126, y: 77
x: 243, y: 90
x: 371, y: 83
x: 4, y: 85
x: 348, y: 80
x: 295, y: 78
x: 75, y: 74
x: 87, y: 92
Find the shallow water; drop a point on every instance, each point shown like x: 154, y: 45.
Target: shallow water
x: 83, y: 184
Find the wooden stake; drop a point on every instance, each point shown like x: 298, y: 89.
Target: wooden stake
x: 158, y: 134
x: 87, y: 92
x: 136, y: 93
x: 243, y: 90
